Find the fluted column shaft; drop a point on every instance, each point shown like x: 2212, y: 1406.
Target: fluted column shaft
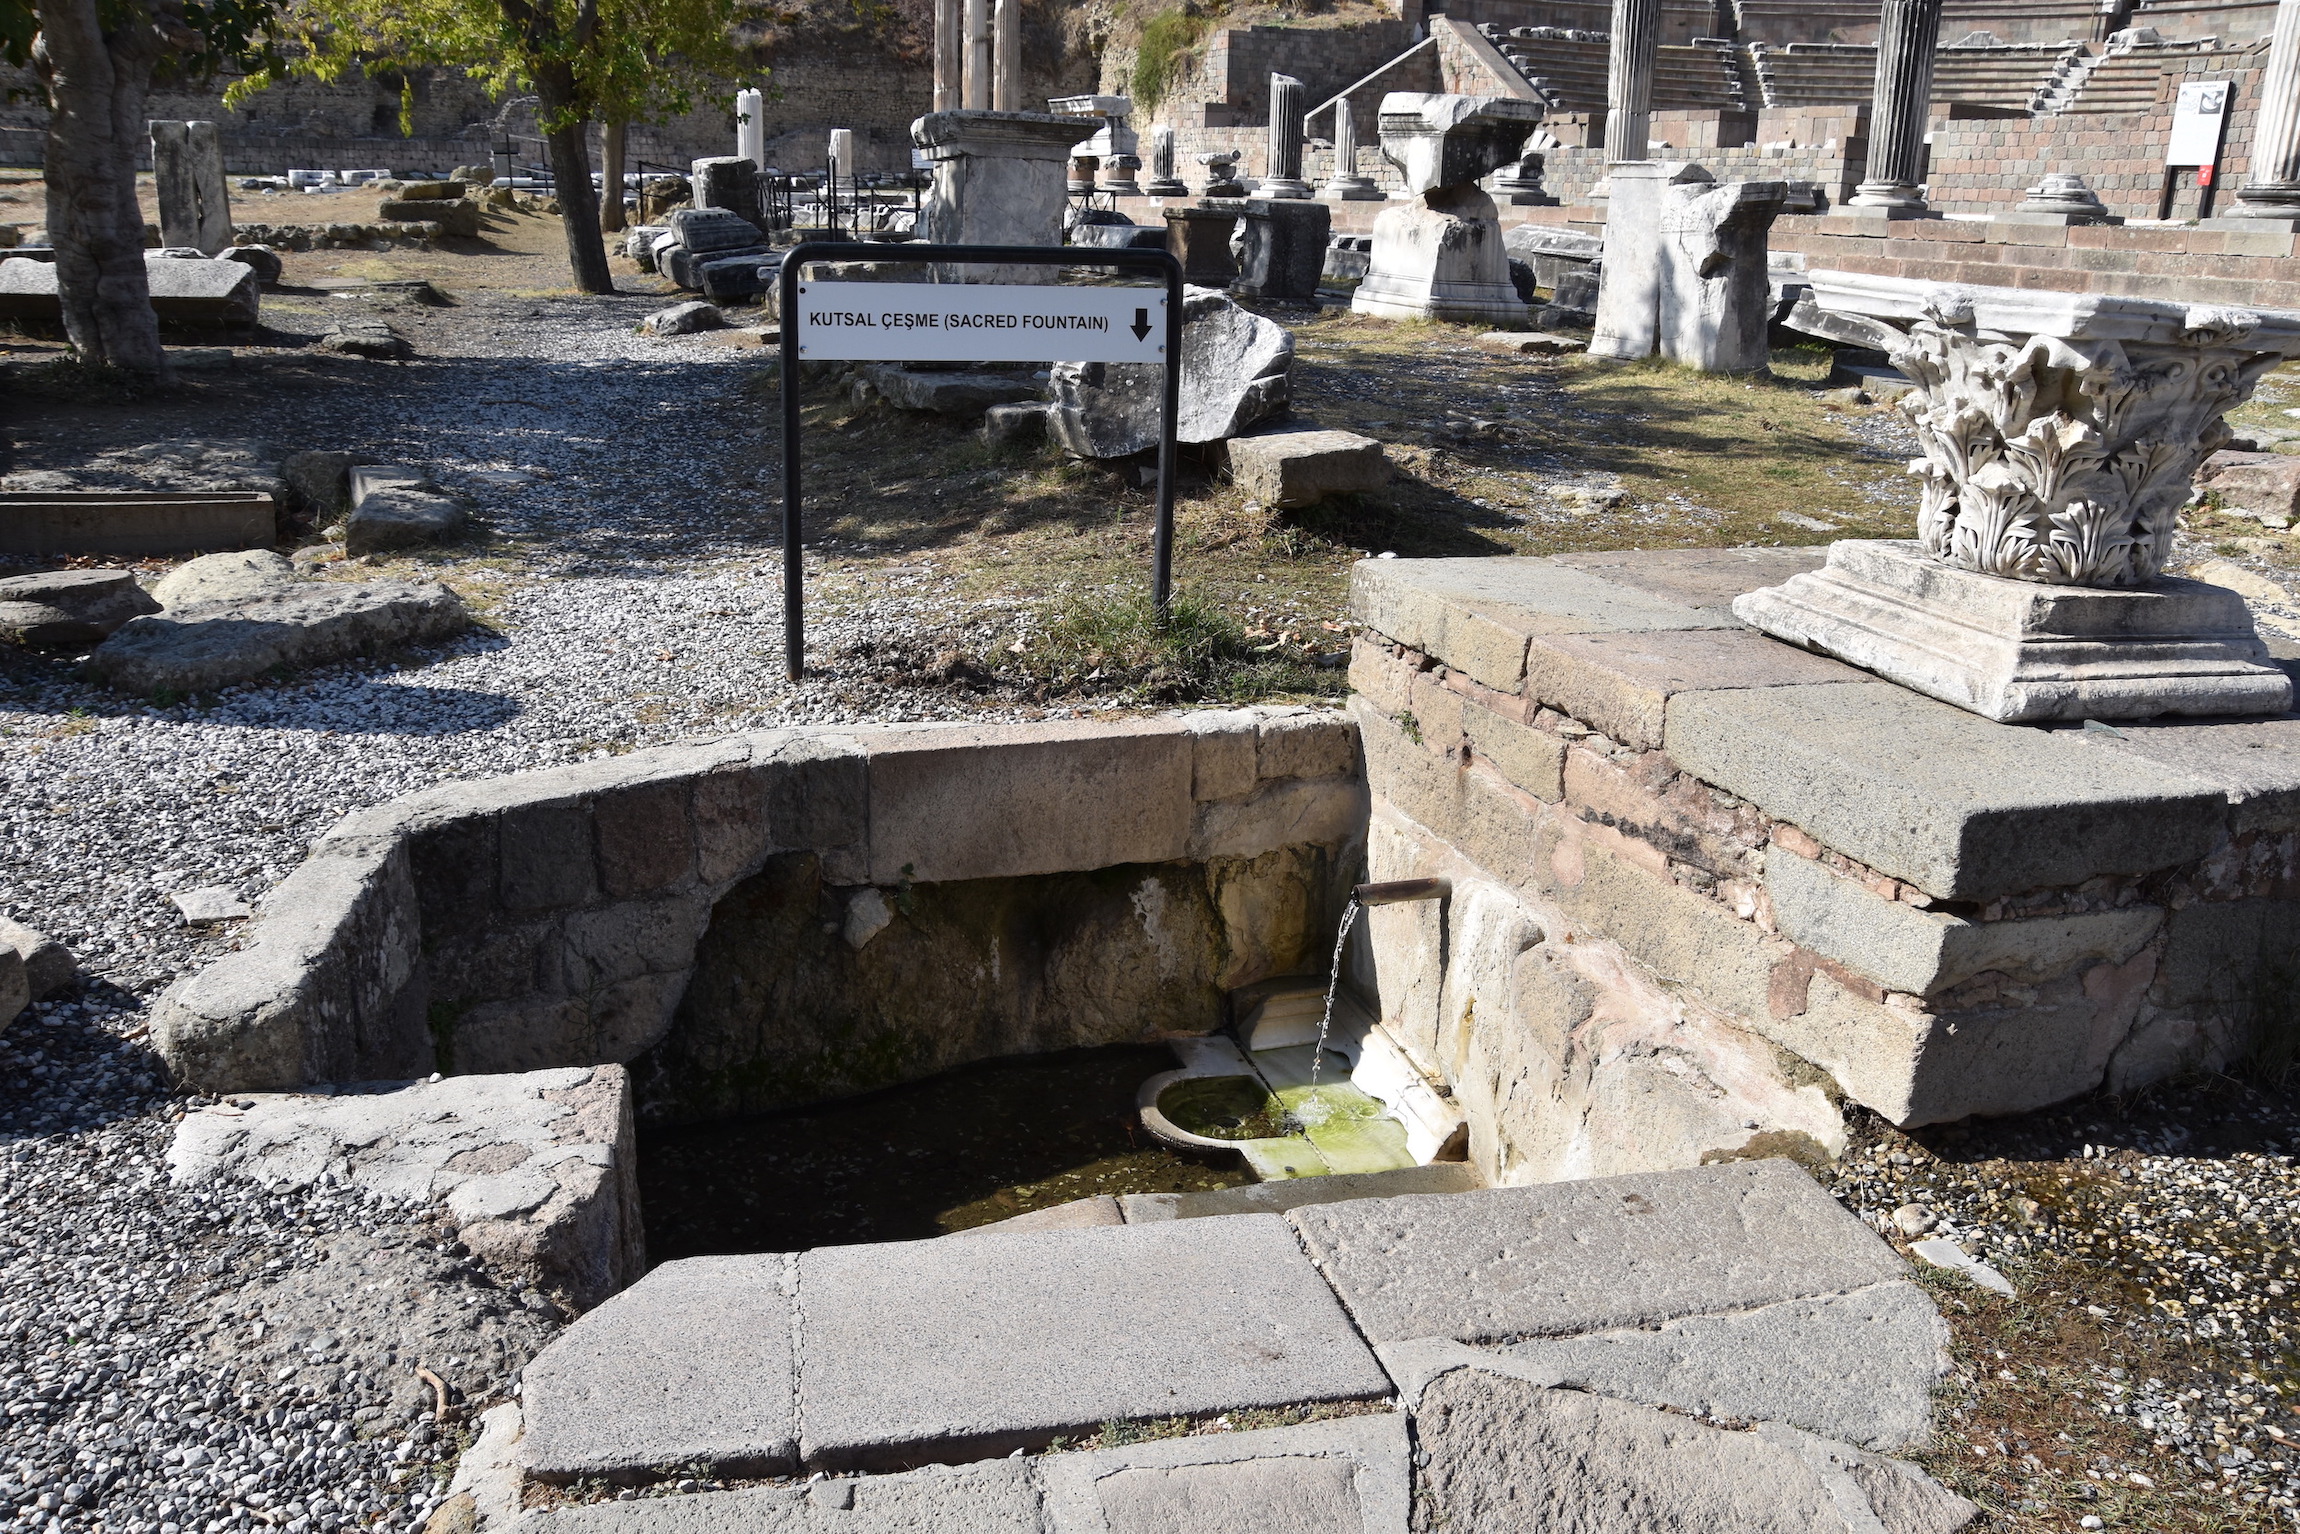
x: 1908, y: 32
x: 1629, y: 79
x: 1006, y: 48
x: 978, y: 56
x: 1162, y: 153
x: 949, y: 54
x: 1345, y: 140
x: 1283, y: 175
x: 2272, y: 187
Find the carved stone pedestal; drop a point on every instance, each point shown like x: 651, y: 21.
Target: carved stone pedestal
x: 2022, y: 652
x: 2061, y: 433
x: 998, y: 180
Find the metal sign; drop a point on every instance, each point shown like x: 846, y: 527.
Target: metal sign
x: 2197, y: 118
x: 979, y: 322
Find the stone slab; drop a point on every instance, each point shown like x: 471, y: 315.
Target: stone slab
x: 1707, y: 579
x: 965, y: 395
x: 217, y: 644
x: 1001, y: 1497
x: 2022, y: 651
x: 1002, y: 801
x: 1077, y: 1214
x: 1477, y: 614
x: 926, y: 1351
x: 1351, y: 1475
x: 1905, y: 948
x: 1498, y: 1453
x: 1511, y: 1263
x: 693, y: 1364
x: 537, y: 1171
x: 1860, y: 1367
x: 70, y: 609
x: 1957, y: 805
x: 48, y: 964
x: 138, y: 522
x: 1621, y: 684
x: 1301, y: 468
x: 1299, y: 1192
x: 2255, y: 762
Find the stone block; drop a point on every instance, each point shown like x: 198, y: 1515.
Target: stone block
x: 817, y: 789
x: 546, y: 860
x: 1222, y: 748
x: 1352, y: 1475
x: 70, y: 609
x: 1618, y: 886
x: 684, y: 319
x: 1304, y: 743
x: 966, y: 396
x: 1005, y: 800
x: 399, y: 517
x: 217, y: 644
x: 953, y: 1350
x: 646, y: 839
x: 1532, y: 759
x: 1500, y: 1453
x: 48, y: 964
x: 1705, y: 579
x: 221, y: 578
x: 453, y: 215
x: 1301, y: 468
x: 2263, y: 485
x: 1477, y: 614
x: 1920, y: 952
x: 2255, y: 762
x: 1621, y: 683
x: 135, y: 522
x: 1415, y: 782
x: 1603, y: 1254
x: 1959, y: 806
x: 1001, y: 1497
x: 692, y: 1364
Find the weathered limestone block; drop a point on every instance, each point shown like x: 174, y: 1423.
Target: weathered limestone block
x: 1236, y: 372
x: 1302, y: 468
x: 217, y: 644
x: 998, y: 180
x: 223, y: 578
x: 191, y: 293
x: 48, y: 965
x: 538, y: 1173
x: 1282, y: 253
x: 456, y: 215
x: 188, y: 181
x: 1685, y: 268
x: 70, y: 609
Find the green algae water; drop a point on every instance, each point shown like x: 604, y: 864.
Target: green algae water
x: 974, y: 1145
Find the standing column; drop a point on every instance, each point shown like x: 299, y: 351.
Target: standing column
x: 949, y: 54
x: 751, y: 127
x: 1284, y: 177
x: 1907, y: 33
x: 978, y: 56
x: 1006, y: 50
x: 1629, y: 79
x: 1163, y: 182
x: 1345, y: 184
x: 2272, y: 187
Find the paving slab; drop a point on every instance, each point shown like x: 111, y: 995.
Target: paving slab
x: 1476, y: 614
x: 1960, y: 806
x: 925, y: 1351
x: 692, y: 1364
x: 1560, y: 1259
x: 1622, y: 683
x: 1499, y: 1453
x: 1859, y: 1366
x: 1351, y: 1475
x: 997, y: 1498
x: 1705, y: 579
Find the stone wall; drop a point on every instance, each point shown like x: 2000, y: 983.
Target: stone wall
x: 1706, y: 884
x: 776, y: 917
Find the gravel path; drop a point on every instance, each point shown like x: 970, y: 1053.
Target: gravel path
x: 633, y: 601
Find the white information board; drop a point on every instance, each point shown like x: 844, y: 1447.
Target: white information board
x: 979, y: 322
x: 2196, y: 120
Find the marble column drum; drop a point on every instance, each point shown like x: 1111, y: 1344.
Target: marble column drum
x: 1345, y: 184
x: 1284, y: 177
x: 1163, y: 182
x: 949, y: 55
x: 1907, y: 33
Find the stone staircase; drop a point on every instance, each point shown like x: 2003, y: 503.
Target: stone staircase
x: 1554, y: 1347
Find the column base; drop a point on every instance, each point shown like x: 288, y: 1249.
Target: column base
x: 1155, y: 187
x: 2021, y: 652
x: 1282, y: 189
x: 1351, y: 189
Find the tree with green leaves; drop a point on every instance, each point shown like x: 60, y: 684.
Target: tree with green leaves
x: 610, y: 61
x: 96, y: 60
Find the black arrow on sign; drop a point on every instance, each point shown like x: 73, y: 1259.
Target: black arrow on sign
x: 1141, y: 325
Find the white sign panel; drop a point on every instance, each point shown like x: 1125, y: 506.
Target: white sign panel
x: 2196, y: 119
x: 979, y: 322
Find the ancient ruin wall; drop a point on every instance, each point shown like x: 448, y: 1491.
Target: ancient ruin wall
x: 986, y: 890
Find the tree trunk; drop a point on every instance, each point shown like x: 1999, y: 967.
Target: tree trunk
x: 611, y: 135
x: 97, y: 83
x: 571, y: 175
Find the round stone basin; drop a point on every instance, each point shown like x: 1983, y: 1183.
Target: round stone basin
x: 1224, y: 1108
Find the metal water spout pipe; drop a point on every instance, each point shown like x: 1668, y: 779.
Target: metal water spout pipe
x: 1400, y: 891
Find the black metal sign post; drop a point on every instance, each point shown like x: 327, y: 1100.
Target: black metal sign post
x: 1157, y: 262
